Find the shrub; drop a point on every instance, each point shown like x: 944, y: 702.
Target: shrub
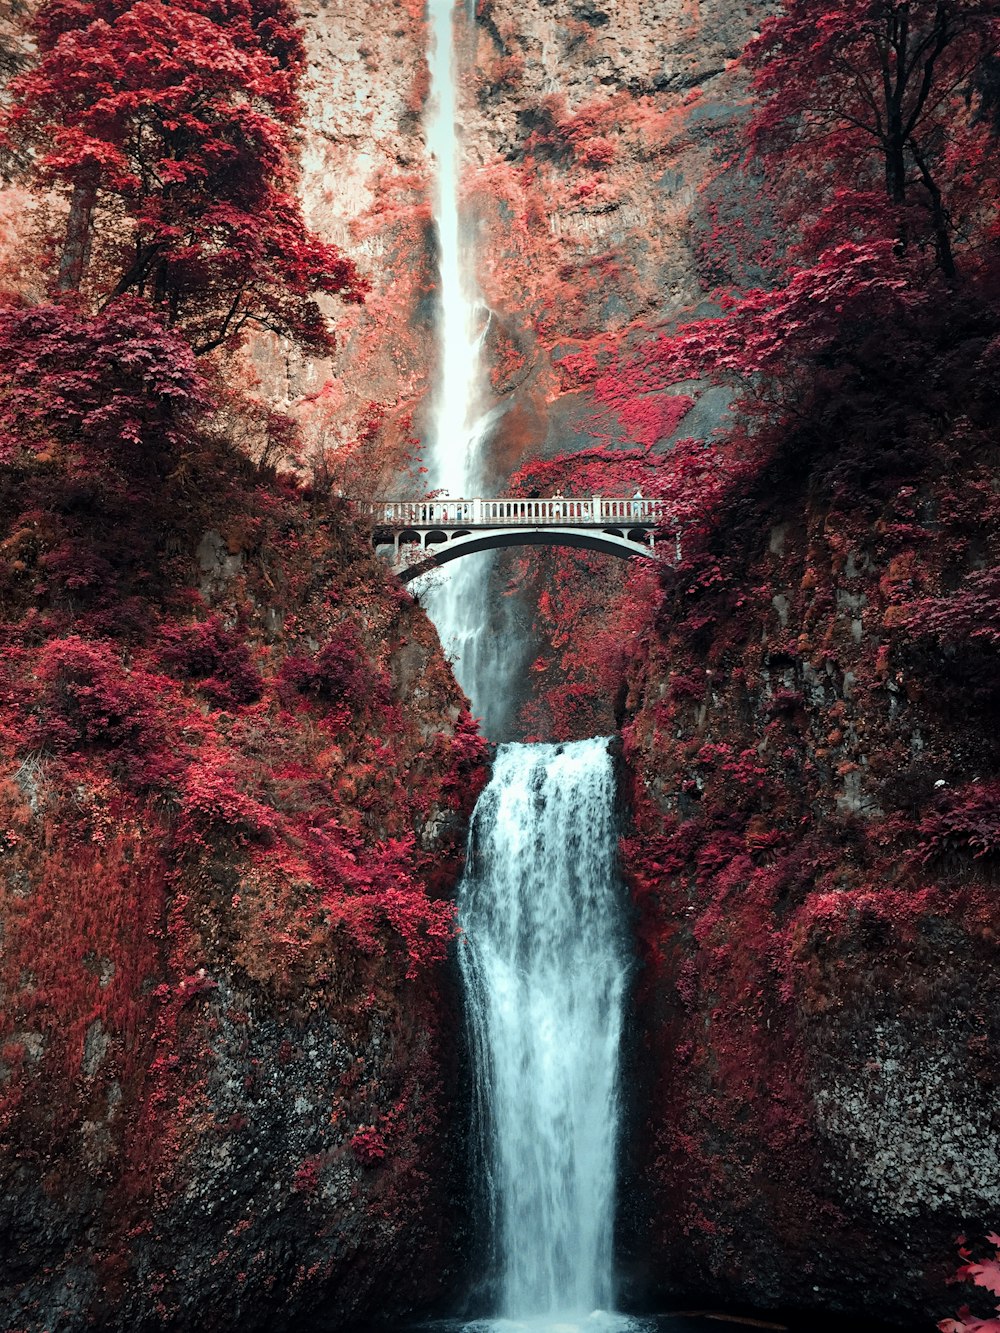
x: 965, y: 820
x: 87, y: 698
x: 114, y: 393
x: 219, y: 659
x: 368, y: 1146
x: 338, y: 673
x: 970, y: 614
x: 213, y: 807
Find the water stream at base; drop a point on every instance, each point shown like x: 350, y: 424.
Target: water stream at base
x: 545, y: 962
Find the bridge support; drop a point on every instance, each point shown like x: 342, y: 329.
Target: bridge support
x: 464, y: 542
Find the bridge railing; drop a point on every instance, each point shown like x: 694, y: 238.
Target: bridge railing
x: 593, y: 511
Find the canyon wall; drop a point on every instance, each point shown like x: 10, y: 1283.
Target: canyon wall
x: 237, y: 770
x: 811, y: 748
x: 815, y: 1066
x: 233, y: 809
x: 600, y: 145
x: 588, y: 131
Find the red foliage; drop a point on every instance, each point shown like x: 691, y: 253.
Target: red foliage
x: 647, y: 420
x: 86, y: 698
x: 337, y: 673
x: 201, y: 811
x: 96, y: 414
x: 820, y: 682
x: 133, y: 108
x: 857, y: 309
x: 984, y: 1273
x: 971, y: 615
x: 229, y: 833
x: 967, y: 820
x: 776, y: 343
x: 368, y: 1146
x: 219, y: 659
x: 364, y: 888
x: 867, y: 97
x: 307, y: 1176
x: 468, y: 773
x: 112, y: 396
x: 213, y: 808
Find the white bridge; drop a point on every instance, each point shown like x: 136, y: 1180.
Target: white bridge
x: 427, y: 533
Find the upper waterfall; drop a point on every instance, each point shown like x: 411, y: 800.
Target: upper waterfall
x: 455, y: 432
x: 460, y: 425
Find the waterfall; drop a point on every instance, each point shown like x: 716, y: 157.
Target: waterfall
x: 455, y: 598
x: 544, y: 962
x: 543, y: 951
x: 456, y: 440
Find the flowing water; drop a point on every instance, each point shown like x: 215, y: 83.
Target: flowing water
x: 456, y: 597
x: 545, y: 965
x: 457, y: 432
x: 543, y: 953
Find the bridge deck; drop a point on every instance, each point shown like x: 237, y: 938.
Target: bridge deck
x: 555, y: 511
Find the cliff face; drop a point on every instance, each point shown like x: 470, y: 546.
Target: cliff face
x: 231, y: 817
x: 595, y: 126
x: 588, y: 130
x: 813, y: 760
x: 235, y: 780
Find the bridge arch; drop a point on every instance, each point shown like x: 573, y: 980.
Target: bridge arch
x: 465, y: 542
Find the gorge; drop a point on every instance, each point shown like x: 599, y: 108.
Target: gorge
x: 670, y: 984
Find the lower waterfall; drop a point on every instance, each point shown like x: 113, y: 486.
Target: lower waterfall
x: 545, y: 965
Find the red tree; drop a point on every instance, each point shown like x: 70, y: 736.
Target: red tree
x: 864, y: 101
x: 114, y: 394
x: 101, y: 419
x: 875, y: 134
x: 169, y: 127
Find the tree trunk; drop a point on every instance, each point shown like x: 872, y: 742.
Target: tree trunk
x: 76, y: 248
x: 939, y: 218
x: 895, y: 172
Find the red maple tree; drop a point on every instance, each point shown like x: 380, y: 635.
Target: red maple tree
x: 169, y: 129
x: 865, y: 104
x: 874, y: 133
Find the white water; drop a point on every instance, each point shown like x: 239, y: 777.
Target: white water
x: 543, y: 954
x: 456, y: 433
x: 456, y: 597
x: 544, y: 961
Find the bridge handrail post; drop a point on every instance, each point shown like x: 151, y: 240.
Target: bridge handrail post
x: 597, y: 502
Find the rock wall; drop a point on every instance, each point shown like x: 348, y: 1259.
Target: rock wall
x: 811, y: 745
x: 589, y: 131
x: 591, y: 135
x: 230, y: 821
x: 595, y: 127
